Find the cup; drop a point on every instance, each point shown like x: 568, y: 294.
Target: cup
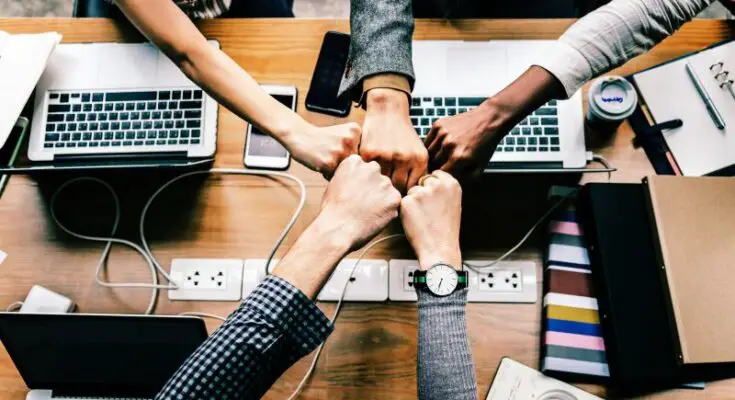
x: 611, y: 99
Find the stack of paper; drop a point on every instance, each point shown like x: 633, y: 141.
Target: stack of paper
x: 23, y: 59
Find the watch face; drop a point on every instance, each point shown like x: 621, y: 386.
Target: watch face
x: 441, y: 280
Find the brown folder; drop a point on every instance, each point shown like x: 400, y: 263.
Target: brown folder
x: 695, y: 227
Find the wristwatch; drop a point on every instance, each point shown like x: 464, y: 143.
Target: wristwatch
x: 441, y: 279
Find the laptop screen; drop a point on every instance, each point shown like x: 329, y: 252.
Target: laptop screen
x: 99, y: 355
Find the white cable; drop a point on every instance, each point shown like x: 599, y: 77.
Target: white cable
x: 602, y: 160
x: 109, y: 241
x: 15, y: 306
x: 476, y: 268
x: 202, y: 315
x: 145, y: 251
x: 226, y: 171
x: 338, y: 308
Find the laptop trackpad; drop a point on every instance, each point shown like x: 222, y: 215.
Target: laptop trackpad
x: 127, y: 66
x: 474, y: 70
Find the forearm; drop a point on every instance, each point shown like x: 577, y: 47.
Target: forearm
x: 164, y: 24
x: 531, y: 90
x: 445, y: 369
x: 613, y: 34
x: 311, y: 260
x: 235, y: 89
x: 272, y: 329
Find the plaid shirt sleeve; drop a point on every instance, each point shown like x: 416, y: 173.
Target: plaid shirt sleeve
x: 272, y: 329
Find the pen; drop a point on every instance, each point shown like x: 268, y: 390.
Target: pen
x: 711, y: 109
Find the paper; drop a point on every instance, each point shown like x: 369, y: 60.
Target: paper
x: 698, y: 146
x: 23, y: 59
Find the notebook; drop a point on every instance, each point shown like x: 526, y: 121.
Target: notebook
x: 698, y: 146
x: 23, y: 59
x: 572, y: 343
x: 694, y: 227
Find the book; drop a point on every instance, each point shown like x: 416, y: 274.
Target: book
x: 572, y: 342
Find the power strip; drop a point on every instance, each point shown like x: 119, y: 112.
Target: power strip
x: 505, y: 282
x: 374, y: 280
x: 206, y: 279
x: 370, y: 280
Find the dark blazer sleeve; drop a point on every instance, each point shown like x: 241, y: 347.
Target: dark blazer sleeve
x: 381, y: 42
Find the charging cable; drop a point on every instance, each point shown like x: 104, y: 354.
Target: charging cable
x: 337, y: 309
x: 145, y: 251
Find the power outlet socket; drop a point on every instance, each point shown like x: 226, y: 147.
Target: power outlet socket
x: 206, y: 279
x: 370, y: 281
x: 400, y: 285
x: 254, y: 272
x: 505, y: 282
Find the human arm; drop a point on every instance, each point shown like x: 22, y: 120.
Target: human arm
x: 600, y: 41
x: 379, y: 76
x: 170, y: 29
x: 278, y: 323
x: 430, y: 214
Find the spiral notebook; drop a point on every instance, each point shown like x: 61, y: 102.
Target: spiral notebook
x: 698, y: 146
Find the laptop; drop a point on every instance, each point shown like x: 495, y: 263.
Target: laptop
x: 453, y: 77
x: 98, y: 356
x: 117, y: 105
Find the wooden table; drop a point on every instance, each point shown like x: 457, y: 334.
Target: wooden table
x: 372, y: 353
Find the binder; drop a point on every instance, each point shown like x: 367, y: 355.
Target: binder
x: 643, y: 340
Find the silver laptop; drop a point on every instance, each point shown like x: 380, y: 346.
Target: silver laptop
x: 88, y: 356
x: 455, y: 76
x: 111, y: 101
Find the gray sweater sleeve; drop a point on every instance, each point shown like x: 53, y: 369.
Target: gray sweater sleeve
x: 444, y: 370
x: 381, y: 41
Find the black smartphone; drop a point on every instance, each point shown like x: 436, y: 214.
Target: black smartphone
x: 330, y: 67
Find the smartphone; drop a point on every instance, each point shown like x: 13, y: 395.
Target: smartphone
x: 330, y: 67
x: 261, y: 150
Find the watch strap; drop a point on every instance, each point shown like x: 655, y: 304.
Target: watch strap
x: 419, y: 278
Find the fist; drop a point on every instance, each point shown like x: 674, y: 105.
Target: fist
x: 431, y: 214
x: 389, y: 138
x: 463, y: 144
x: 359, y: 201
x: 323, y: 149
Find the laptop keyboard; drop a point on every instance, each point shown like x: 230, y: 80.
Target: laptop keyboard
x: 539, y: 132
x: 129, y: 120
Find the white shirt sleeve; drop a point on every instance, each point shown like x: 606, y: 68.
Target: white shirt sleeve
x: 613, y: 34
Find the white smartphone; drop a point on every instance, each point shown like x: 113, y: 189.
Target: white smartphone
x: 261, y: 150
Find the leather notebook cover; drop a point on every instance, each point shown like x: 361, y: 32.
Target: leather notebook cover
x: 638, y: 338
x: 695, y: 228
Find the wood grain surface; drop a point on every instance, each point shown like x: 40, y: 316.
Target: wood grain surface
x: 372, y: 353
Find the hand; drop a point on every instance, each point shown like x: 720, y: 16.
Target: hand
x: 431, y: 214
x: 463, y: 144
x: 359, y: 202
x: 323, y: 149
x: 389, y: 138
